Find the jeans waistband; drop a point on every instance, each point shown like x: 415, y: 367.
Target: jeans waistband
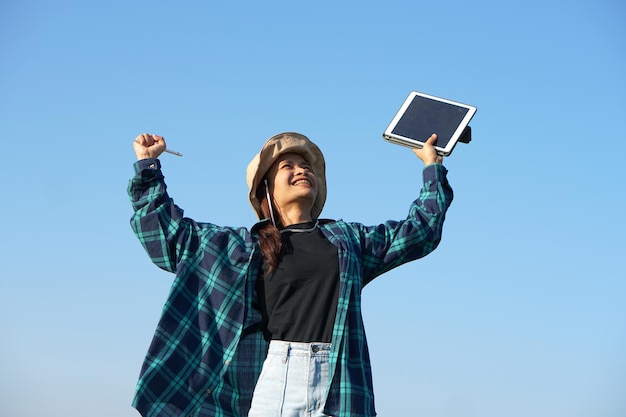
x: 280, y: 347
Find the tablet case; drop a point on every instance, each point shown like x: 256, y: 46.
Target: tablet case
x: 393, y: 135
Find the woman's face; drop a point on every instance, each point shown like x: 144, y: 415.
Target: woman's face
x: 292, y: 181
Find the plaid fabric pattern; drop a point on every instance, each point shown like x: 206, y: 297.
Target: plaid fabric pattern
x: 208, y: 349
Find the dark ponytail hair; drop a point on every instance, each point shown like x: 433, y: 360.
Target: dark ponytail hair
x: 270, y: 239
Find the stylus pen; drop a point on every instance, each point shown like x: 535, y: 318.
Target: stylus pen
x: 173, y: 152
x: 169, y: 151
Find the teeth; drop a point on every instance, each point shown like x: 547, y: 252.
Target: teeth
x: 302, y: 182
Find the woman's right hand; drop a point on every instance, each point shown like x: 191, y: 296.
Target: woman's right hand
x: 148, y: 146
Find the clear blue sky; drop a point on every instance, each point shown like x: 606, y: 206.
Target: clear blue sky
x: 521, y: 310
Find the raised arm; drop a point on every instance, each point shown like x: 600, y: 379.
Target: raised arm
x: 157, y: 222
x: 393, y: 243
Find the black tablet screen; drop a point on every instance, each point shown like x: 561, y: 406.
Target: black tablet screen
x: 425, y: 116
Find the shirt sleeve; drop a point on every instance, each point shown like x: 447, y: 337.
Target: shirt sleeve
x: 393, y: 243
x: 157, y: 222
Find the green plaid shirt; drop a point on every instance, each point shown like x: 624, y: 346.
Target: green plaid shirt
x: 208, y: 348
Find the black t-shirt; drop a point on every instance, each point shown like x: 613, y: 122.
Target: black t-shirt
x: 299, y: 299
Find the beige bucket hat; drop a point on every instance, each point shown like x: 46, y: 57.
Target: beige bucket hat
x: 274, y: 147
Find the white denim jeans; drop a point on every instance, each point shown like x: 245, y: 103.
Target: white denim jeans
x: 293, y: 381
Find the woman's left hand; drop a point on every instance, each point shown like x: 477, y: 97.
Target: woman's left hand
x: 427, y: 153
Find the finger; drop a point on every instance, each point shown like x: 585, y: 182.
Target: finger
x: 139, y: 140
x: 432, y: 139
x: 149, y: 140
x: 157, y: 138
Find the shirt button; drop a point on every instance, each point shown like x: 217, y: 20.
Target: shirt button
x: 227, y: 362
x: 208, y: 391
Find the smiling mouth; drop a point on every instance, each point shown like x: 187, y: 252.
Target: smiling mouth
x: 300, y: 182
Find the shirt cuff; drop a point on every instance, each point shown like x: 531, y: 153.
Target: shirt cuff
x: 434, y: 172
x: 148, y: 163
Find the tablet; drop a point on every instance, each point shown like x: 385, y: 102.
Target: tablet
x: 421, y: 115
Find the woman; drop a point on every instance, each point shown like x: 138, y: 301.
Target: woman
x: 267, y: 321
